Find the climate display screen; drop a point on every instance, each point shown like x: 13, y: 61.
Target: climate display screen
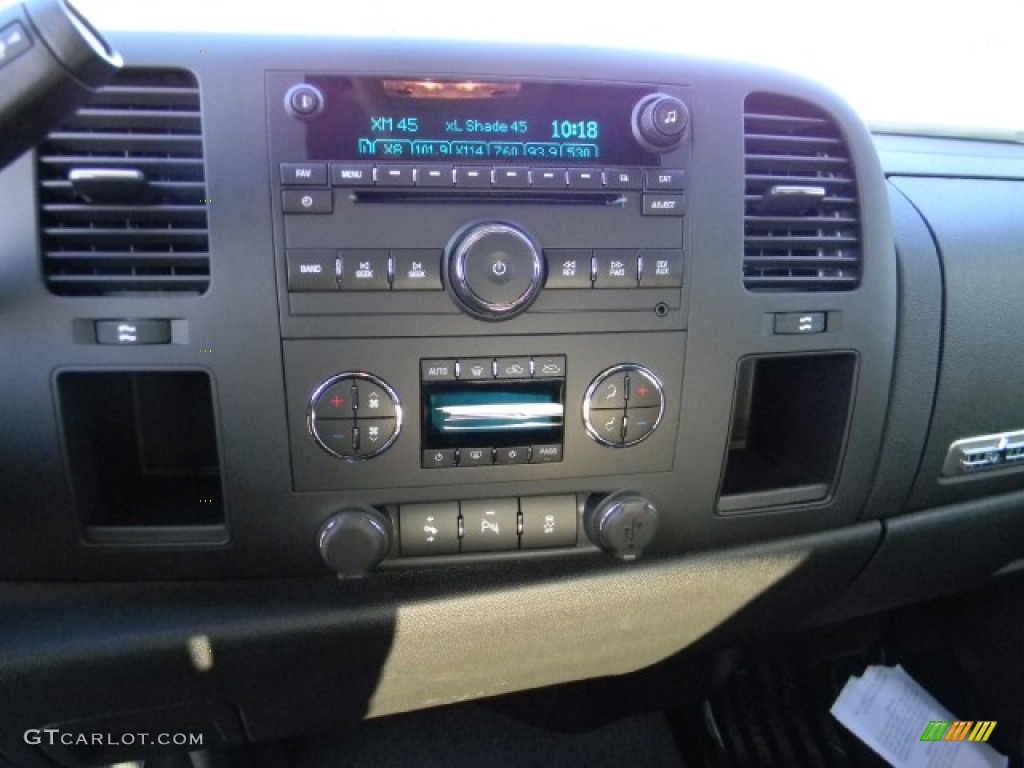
x: 493, y: 123
x: 459, y: 415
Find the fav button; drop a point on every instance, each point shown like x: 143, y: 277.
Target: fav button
x: 304, y: 174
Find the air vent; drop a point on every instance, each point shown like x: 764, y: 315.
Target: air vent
x: 801, y: 223
x: 123, y: 194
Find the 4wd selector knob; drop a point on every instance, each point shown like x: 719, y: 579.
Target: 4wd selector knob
x: 495, y: 270
x: 660, y: 122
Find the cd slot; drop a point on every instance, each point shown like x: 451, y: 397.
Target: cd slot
x: 476, y: 197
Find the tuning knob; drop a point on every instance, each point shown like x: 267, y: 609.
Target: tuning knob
x: 353, y: 541
x: 660, y: 122
x: 495, y: 270
x: 622, y: 524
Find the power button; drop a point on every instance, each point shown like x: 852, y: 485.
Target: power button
x: 304, y: 101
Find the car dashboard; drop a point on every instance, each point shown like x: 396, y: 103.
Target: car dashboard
x: 368, y: 376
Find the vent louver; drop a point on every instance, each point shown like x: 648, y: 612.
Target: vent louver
x: 801, y: 215
x: 122, y: 191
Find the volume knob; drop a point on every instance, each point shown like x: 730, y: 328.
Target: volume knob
x: 495, y: 271
x: 660, y: 122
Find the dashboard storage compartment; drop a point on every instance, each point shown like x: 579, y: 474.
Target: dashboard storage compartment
x: 788, y: 427
x: 142, y: 455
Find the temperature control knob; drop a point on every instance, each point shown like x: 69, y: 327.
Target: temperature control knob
x: 495, y: 270
x: 622, y: 523
x: 660, y: 122
x: 354, y: 541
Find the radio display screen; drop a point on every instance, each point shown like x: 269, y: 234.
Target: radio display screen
x: 492, y: 414
x: 468, y: 121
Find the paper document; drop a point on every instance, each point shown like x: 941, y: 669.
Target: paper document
x: 901, y: 721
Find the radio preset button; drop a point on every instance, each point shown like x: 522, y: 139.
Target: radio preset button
x: 435, y: 176
x: 437, y: 370
x: 351, y: 175
x: 519, y: 454
x: 548, y: 521
x: 512, y: 368
x: 364, y: 270
x: 490, y: 525
x: 548, y: 178
x: 580, y: 178
x: 545, y: 454
x: 661, y: 268
x: 615, y: 268
x: 512, y: 178
x: 477, y: 369
x: 429, y: 529
x: 569, y: 267
x: 416, y: 269
x: 473, y: 177
x: 395, y: 176
x: 440, y: 458
x: 623, y: 178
